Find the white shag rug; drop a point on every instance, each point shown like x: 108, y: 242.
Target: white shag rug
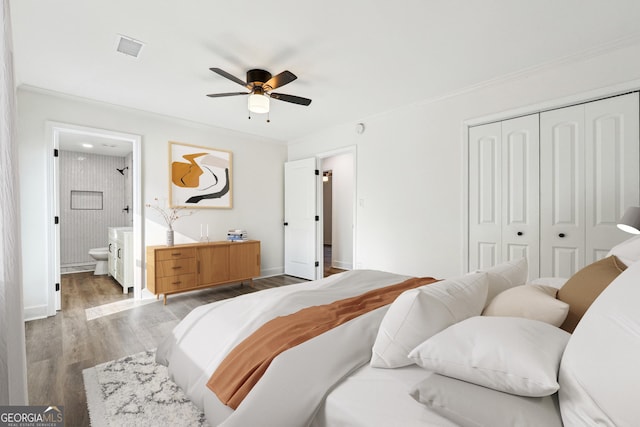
x: 136, y: 391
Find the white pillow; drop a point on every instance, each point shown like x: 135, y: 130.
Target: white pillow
x: 470, y: 405
x: 599, y: 375
x: 506, y: 275
x: 419, y: 313
x: 514, y: 355
x: 537, y: 302
x: 628, y: 251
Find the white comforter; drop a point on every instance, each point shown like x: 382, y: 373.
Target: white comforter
x: 294, y: 385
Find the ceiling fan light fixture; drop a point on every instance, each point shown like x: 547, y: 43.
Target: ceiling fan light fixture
x: 258, y: 104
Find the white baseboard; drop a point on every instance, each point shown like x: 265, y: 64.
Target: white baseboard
x: 343, y: 265
x: 35, y: 312
x: 273, y: 271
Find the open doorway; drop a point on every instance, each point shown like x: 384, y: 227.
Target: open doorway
x: 338, y: 211
x: 82, y: 149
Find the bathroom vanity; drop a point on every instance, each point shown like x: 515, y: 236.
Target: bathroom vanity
x: 181, y: 268
x: 121, y: 256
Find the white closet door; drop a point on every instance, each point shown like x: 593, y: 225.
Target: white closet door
x: 612, y: 170
x: 485, y: 229
x: 562, y: 191
x: 521, y: 191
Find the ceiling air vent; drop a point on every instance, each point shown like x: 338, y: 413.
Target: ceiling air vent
x: 129, y: 46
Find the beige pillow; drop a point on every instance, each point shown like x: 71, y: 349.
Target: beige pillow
x: 537, y: 302
x: 585, y: 286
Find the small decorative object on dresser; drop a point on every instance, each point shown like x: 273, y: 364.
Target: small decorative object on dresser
x: 181, y: 268
x: 170, y: 215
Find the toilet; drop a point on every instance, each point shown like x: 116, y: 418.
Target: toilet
x: 101, y: 255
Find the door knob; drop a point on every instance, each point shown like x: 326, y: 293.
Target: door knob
x: 520, y: 233
x: 561, y: 235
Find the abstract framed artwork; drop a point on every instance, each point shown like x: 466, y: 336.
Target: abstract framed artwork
x: 200, y: 177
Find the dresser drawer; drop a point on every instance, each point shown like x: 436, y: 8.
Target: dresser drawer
x: 174, y: 267
x: 175, y: 253
x: 174, y: 283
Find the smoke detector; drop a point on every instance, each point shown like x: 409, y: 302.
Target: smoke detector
x: 129, y: 46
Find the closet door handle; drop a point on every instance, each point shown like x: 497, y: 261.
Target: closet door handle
x: 561, y: 235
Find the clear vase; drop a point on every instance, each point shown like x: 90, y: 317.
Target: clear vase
x: 170, y: 237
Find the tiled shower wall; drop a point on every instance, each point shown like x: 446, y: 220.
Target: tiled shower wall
x: 93, y: 179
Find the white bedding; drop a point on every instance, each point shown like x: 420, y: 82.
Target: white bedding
x: 374, y: 397
x: 294, y: 385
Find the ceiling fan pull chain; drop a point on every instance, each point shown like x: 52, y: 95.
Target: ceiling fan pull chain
x: 268, y: 117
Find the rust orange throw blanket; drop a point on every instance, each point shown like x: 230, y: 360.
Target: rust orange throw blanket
x: 248, y: 361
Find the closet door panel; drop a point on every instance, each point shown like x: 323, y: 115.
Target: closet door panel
x: 487, y: 255
x: 562, y: 191
x: 520, y: 190
x: 565, y: 262
x: 485, y: 232
x: 612, y: 170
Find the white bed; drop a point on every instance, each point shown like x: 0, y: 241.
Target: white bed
x: 355, y: 375
x: 192, y: 358
x: 374, y: 397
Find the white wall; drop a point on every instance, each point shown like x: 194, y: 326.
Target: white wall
x: 257, y: 180
x: 411, y: 161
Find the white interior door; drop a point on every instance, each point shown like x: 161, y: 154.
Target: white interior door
x: 520, y: 191
x: 485, y: 192
x: 562, y: 190
x: 612, y: 171
x: 56, y: 227
x: 300, y: 189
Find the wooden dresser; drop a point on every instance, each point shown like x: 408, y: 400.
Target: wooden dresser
x: 181, y: 268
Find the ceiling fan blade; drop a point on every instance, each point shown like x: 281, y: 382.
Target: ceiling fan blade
x: 231, y: 77
x: 281, y: 79
x: 220, y: 95
x: 290, y: 98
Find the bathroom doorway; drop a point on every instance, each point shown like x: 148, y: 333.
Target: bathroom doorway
x: 337, y: 201
x: 112, y: 161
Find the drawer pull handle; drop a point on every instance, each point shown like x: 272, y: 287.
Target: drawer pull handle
x: 176, y: 267
x: 176, y: 254
x: 176, y: 283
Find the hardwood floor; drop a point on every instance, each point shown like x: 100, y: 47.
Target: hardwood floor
x: 60, y: 347
x: 328, y: 269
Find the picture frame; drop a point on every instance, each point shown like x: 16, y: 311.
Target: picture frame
x: 200, y: 177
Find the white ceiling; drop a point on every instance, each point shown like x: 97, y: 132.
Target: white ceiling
x: 353, y: 58
x: 94, y: 144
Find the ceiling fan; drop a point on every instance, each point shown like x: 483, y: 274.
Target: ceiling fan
x: 261, y: 83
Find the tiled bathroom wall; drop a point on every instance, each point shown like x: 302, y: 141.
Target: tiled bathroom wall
x: 93, y: 196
